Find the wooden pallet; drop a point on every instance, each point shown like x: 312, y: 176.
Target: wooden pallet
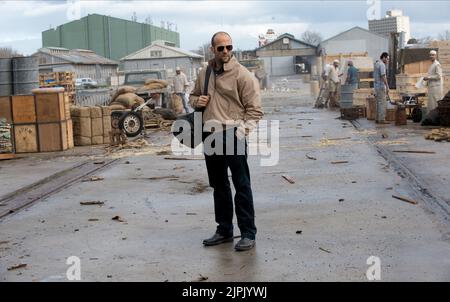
x: 5, y: 156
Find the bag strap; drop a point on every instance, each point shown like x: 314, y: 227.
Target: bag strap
x: 207, y: 76
x: 205, y: 87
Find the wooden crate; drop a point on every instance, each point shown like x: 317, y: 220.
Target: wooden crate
x: 50, y: 107
x: 53, y: 136
x: 390, y: 115
x: 24, y: 109
x: 417, y: 67
x: 360, y: 96
x: 371, y: 108
x: 406, y: 83
x: 25, y: 138
x: 5, y: 108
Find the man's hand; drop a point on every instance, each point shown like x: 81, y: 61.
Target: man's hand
x: 241, y: 132
x: 202, y: 101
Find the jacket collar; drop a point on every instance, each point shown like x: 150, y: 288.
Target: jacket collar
x: 227, y: 66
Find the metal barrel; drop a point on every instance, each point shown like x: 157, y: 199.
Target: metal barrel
x: 346, y: 96
x: 6, y: 80
x: 25, y: 74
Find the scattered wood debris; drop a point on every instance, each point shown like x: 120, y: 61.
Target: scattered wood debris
x: 439, y: 135
x: 289, y: 179
x: 164, y: 152
x: 298, y: 232
x: 99, y: 162
x: 191, y: 213
x: 339, y: 162
x: 305, y: 136
x: 310, y: 157
x: 201, y: 278
x: 339, y: 138
x: 118, y: 218
x: 94, y: 178
x: 14, y: 267
x: 172, y: 177
x: 93, y: 219
x: 326, y: 251
x: 182, y: 158
x: 414, y: 151
x: 92, y: 203
x: 405, y: 199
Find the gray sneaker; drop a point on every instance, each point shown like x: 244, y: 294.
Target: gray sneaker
x: 245, y: 244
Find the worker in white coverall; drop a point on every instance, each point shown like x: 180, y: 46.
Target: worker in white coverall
x: 435, y: 80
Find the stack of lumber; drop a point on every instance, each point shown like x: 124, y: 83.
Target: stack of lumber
x: 59, y: 79
x: 439, y: 135
x: 360, y: 96
x: 406, y: 83
x: 91, y: 125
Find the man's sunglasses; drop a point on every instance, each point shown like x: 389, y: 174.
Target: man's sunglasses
x: 221, y: 48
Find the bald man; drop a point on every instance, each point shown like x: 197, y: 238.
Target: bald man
x: 233, y: 97
x: 435, y: 80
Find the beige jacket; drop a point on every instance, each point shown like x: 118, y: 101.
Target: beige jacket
x: 435, y: 77
x: 234, y: 95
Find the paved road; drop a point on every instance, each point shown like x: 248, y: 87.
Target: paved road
x: 323, y: 227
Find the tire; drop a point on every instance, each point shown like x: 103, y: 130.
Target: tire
x: 115, y: 119
x: 416, y: 115
x: 132, y: 124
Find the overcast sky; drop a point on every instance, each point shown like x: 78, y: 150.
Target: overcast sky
x: 21, y: 22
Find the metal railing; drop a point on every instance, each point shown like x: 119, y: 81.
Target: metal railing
x: 97, y: 97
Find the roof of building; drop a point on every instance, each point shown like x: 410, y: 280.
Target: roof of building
x: 286, y: 35
x: 144, y: 52
x: 351, y: 29
x: 77, y: 56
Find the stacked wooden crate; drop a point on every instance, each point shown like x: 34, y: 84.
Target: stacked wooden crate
x: 406, y: 83
x: 360, y: 96
x: 91, y: 125
x: 40, y: 122
x: 59, y: 79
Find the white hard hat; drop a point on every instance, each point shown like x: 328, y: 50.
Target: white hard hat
x: 433, y: 52
x: 178, y: 68
x: 336, y: 61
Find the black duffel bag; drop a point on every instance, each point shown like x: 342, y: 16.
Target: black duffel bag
x: 188, y: 128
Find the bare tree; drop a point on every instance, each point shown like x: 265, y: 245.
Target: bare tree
x: 312, y: 37
x: 425, y: 40
x: 204, y: 50
x: 8, y: 52
x: 444, y: 36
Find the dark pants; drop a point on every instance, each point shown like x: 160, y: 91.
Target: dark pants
x: 217, y: 166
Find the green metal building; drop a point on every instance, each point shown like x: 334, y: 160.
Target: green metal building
x: 107, y: 36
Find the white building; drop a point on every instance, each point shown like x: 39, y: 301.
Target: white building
x: 163, y: 55
x: 394, y: 21
x: 356, y: 40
